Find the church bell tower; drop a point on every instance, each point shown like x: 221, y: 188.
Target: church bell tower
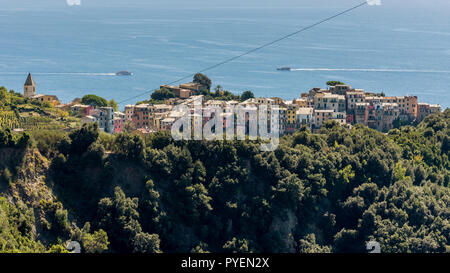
x: 29, y: 88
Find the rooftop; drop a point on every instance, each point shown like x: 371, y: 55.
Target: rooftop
x: 305, y: 111
x: 140, y: 106
x: 324, y: 111
x: 162, y: 106
x: 29, y: 81
x: 168, y: 120
x: 43, y: 95
x: 176, y: 114
x: 81, y: 106
x: 330, y: 96
x: 389, y: 104
x: 90, y: 117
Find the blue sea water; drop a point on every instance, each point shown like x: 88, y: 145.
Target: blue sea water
x: 401, y: 47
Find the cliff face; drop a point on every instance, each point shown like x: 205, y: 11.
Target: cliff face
x: 23, y: 185
x: 29, y: 184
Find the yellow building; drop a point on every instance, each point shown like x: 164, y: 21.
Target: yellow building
x: 291, y: 114
x: 157, y: 123
x: 407, y: 105
x: 291, y: 118
x: 53, y: 100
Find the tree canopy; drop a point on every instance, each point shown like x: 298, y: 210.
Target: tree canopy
x: 247, y: 95
x: 113, y: 104
x: 162, y: 94
x: 334, y: 83
x: 203, y: 80
x: 330, y: 191
x: 94, y: 100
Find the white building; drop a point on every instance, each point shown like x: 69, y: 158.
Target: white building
x: 305, y: 116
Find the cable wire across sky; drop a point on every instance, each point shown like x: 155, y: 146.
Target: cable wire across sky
x: 255, y: 49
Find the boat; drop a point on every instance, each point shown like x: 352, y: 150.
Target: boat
x: 124, y: 73
x: 284, y: 69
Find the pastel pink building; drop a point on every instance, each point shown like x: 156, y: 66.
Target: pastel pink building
x: 119, y: 122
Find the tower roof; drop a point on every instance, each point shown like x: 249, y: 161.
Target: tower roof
x: 29, y: 81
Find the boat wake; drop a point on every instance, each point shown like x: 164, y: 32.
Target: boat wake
x: 371, y: 70
x: 61, y: 73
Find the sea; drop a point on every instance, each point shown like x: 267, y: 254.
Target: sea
x: 74, y: 47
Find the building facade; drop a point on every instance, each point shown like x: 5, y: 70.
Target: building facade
x: 29, y: 88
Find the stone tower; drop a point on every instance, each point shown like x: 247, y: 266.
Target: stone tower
x: 29, y: 88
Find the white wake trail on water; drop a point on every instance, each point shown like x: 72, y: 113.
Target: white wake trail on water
x: 372, y: 70
x: 61, y: 73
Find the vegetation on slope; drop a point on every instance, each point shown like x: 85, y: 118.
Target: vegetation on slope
x: 17, y: 112
x: 159, y: 95
x: 327, y: 192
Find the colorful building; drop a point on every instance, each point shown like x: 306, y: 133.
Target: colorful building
x: 340, y: 89
x: 129, y: 112
x: 291, y: 118
x: 352, y: 98
x: 305, y: 116
x: 321, y: 116
x: 119, y: 122
x: 328, y: 101
x: 408, y: 105
x: 106, y: 119
x: 81, y: 109
x: 361, y: 113
x: 141, y: 116
x: 52, y: 99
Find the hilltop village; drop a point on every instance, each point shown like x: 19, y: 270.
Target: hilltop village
x: 340, y: 103
x: 141, y: 191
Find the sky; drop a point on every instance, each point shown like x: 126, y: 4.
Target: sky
x: 198, y: 4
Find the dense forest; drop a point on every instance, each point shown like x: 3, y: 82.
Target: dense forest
x: 326, y: 192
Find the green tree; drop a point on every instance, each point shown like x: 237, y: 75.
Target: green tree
x: 3, y: 93
x: 162, y: 94
x: 308, y: 245
x: 82, y: 138
x: 203, y: 80
x: 6, y: 138
x: 94, y: 100
x: 200, y: 248
x: 334, y: 83
x: 57, y: 249
x: 218, y: 89
x: 119, y: 217
x: 146, y: 243
x: 96, y: 242
x: 131, y: 147
x: 237, y: 246
x: 95, y: 154
x: 113, y: 104
x: 247, y: 95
